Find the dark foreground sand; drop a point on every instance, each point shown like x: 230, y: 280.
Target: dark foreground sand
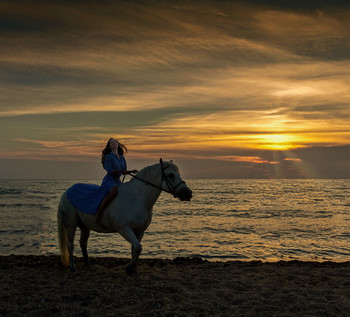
x: 40, y: 286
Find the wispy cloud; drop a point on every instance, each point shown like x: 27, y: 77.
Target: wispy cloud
x: 168, y: 76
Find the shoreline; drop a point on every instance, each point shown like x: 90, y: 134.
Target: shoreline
x: 210, y: 259
x: 40, y: 285
x: 179, y: 259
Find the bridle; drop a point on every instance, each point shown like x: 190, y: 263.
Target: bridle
x: 165, y: 178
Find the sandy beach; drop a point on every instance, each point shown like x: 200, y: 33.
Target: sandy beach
x: 40, y: 286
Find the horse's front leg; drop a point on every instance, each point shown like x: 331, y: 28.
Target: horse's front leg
x: 135, y: 253
x: 129, y: 235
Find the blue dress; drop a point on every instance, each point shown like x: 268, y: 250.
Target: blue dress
x: 88, y: 197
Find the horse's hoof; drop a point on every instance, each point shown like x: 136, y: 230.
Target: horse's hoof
x: 130, y: 270
x: 87, y: 263
x: 73, y: 269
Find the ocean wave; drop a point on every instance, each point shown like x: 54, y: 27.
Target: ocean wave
x: 18, y: 205
x: 10, y: 191
x: 38, y: 192
x: 17, y: 231
x: 235, y: 256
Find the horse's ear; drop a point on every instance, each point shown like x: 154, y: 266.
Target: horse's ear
x: 161, y: 161
x: 171, y: 161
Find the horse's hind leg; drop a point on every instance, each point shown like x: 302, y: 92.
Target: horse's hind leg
x: 84, y: 236
x: 70, y: 245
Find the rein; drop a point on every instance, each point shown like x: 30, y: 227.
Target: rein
x: 169, y: 184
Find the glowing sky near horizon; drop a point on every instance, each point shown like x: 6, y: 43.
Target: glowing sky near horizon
x: 180, y: 80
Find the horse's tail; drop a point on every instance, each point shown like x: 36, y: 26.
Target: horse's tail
x: 62, y: 235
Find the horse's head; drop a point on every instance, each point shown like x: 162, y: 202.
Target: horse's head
x: 172, y: 181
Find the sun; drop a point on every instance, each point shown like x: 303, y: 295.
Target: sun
x: 277, y: 141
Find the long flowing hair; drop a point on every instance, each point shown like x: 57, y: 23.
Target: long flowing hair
x: 121, y: 150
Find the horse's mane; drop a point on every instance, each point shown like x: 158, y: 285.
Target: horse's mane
x: 152, y: 169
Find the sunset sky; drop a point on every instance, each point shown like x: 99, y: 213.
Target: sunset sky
x: 234, y: 89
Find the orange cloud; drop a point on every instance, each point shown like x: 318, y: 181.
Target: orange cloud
x: 297, y: 160
x: 250, y: 159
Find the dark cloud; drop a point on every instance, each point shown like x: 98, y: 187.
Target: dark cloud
x: 103, y: 119
x: 49, y: 169
x: 327, y: 162
x: 82, y: 125
x: 315, y: 162
x: 314, y: 112
x: 302, y: 5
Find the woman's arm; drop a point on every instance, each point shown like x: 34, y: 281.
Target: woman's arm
x: 110, y: 166
x: 123, y: 168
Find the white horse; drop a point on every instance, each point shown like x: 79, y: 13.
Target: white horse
x: 130, y: 213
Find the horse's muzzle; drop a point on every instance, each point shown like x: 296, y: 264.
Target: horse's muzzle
x: 184, y: 194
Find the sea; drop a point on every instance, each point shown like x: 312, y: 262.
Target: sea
x: 227, y: 219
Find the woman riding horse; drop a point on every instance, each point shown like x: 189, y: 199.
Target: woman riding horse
x: 130, y: 213
x: 93, y: 198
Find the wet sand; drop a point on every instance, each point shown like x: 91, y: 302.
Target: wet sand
x: 40, y: 286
